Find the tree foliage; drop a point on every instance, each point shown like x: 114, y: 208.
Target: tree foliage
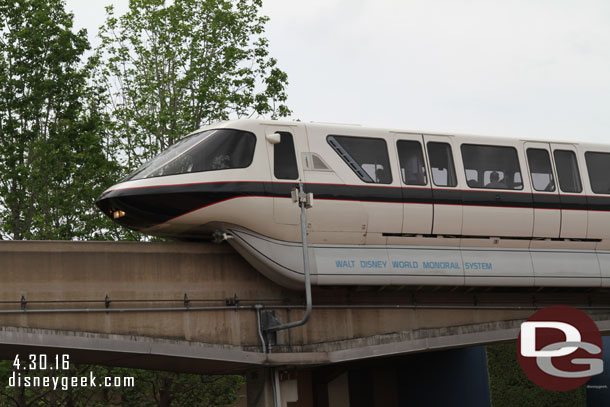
x: 509, y: 386
x: 173, y: 68
x: 167, y: 389
x: 71, y: 126
x: 51, y: 125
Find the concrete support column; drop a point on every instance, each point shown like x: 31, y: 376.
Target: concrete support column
x: 259, y: 388
x: 292, y: 388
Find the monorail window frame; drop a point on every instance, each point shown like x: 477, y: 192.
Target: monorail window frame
x: 454, y: 176
x: 485, y: 186
x: 353, y: 164
x: 285, y: 161
x: 592, y: 174
x: 575, y: 166
x: 422, y: 156
x: 552, y: 180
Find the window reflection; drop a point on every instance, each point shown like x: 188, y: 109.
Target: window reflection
x: 209, y: 150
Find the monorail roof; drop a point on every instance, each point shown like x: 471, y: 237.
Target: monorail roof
x: 336, y: 126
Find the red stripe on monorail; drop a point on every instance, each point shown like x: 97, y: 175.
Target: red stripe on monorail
x: 503, y: 191
x: 355, y: 200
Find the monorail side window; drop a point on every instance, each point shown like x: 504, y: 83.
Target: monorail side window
x: 598, y: 165
x: 441, y: 164
x: 412, y: 164
x: 494, y: 167
x: 284, y: 158
x: 567, y: 171
x: 367, y: 157
x: 540, y: 169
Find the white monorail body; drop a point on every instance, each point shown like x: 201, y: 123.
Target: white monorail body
x: 391, y: 207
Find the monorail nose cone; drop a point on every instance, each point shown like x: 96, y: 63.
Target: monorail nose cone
x: 130, y: 210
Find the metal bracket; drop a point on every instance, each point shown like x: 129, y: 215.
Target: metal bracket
x: 301, y: 197
x: 107, y: 301
x: 187, y: 301
x: 269, y: 320
x: 232, y: 302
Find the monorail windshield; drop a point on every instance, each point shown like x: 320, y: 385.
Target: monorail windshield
x: 209, y: 150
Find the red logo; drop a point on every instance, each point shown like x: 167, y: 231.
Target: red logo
x: 560, y: 348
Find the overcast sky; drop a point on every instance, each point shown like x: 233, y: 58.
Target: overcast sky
x: 536, y: 69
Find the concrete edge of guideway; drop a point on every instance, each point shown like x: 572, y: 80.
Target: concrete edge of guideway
x: 195, y: 357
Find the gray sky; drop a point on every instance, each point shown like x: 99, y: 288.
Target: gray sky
x: 537, y: 68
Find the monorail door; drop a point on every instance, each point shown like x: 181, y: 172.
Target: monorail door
x: 415, y: 184
x: 572, y: 195
x: 338, y: 215
x: 446, y: 194
x: 545, y: 190
x: 285, y: 171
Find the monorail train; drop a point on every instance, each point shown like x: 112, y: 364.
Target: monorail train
x: 390, y: 207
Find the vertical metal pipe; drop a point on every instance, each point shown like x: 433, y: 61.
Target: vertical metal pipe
x: 275, y: 381
x: 302, y: 200
x: 258, y: 308
x: 305, y: 256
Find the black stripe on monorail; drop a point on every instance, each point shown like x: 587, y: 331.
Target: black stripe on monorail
x: 598, y: 203
x: 148, y: 206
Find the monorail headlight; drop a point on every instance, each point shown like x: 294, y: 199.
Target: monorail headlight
x: 117, y: 214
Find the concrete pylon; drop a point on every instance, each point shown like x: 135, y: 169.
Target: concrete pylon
x: 261, y: 385
x: 259, y: 388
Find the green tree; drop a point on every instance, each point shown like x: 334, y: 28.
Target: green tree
x: 167, y: 389
x: 509, y: 386
x: 173, y: 68
x: 151, y: 388
x: 16, y: 393
x: 51, y: 126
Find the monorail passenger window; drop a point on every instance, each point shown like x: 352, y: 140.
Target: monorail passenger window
x: 494, y: 167
x: 367, y: 157
x: 598, y: 165
x: 412, y: 164
x: 567, y: 171
x: 540, y: 169
x: 441, y: 164
x: 284, y: 158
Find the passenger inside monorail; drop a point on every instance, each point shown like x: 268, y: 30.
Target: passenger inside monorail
x: 494, y: 181
x: 494, y: 167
